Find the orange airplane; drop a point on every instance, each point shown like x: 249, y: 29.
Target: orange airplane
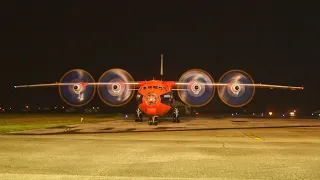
x: 195, y: 87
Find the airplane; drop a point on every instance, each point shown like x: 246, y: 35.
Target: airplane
x: 195, y: 88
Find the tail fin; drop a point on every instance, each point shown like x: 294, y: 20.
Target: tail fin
x: 161, y: 68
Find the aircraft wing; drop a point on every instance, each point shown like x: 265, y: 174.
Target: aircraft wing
x: 72, y: 84
x: 180, y: 85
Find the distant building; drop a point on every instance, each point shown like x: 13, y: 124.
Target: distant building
x: 92, y: 110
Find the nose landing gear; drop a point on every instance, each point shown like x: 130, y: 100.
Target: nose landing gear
x: 153, y: 120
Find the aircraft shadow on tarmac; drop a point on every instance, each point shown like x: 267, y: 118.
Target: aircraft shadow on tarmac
x: 69, y: 130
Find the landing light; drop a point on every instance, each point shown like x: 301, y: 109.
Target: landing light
x: 197, y: 113
x: 270, y: 113
x: 126, y: 115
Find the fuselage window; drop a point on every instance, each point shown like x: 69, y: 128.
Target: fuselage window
x: 155, y: 87
x: 160, y: 87
x: 144, y: 87
x: 149, y: 87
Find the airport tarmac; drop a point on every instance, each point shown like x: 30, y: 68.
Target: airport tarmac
x: 202, y: 148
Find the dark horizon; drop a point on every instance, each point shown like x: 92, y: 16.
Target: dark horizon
x: 274, y: 42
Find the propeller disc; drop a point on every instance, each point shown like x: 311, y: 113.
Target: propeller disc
x: 78, y: 93
x: 116, y: 91
x: 194, y: 90
x: 238, y: 92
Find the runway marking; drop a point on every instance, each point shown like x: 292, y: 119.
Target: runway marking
x: 253, y: 136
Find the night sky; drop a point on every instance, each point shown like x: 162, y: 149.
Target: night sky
x: 275, y: 42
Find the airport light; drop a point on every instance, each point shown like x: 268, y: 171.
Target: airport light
x: 253, y: 114
x: 292, y: 113
x: 197, y: 113
x: 270, y: 113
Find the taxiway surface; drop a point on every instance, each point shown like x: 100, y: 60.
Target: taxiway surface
x: 223, y: 149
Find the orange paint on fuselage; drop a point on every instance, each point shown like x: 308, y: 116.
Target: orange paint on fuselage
x: 151, y: 101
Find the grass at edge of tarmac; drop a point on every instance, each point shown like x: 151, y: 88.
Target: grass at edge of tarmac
x: 45, y: 122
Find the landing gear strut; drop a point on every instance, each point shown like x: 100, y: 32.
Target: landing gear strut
x: 176, y: 117
x: 153, y: 120
x: 138, y: 116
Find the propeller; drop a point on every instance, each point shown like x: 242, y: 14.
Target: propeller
x: 78, y: 93
x: 237, y: 92
x: 116, y: 87
x: 198, y: 87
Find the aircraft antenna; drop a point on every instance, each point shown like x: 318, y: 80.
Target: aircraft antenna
x: 161, y: 67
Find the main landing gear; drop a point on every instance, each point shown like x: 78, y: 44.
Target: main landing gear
x: 138, y: 116
x: 176, y: 117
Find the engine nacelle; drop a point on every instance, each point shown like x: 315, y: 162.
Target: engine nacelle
x: 78, y: 88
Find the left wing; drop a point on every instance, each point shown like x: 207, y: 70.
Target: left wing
x: 270, y: 86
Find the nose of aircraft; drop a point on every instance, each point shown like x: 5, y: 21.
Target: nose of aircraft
x: 151, y: 99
